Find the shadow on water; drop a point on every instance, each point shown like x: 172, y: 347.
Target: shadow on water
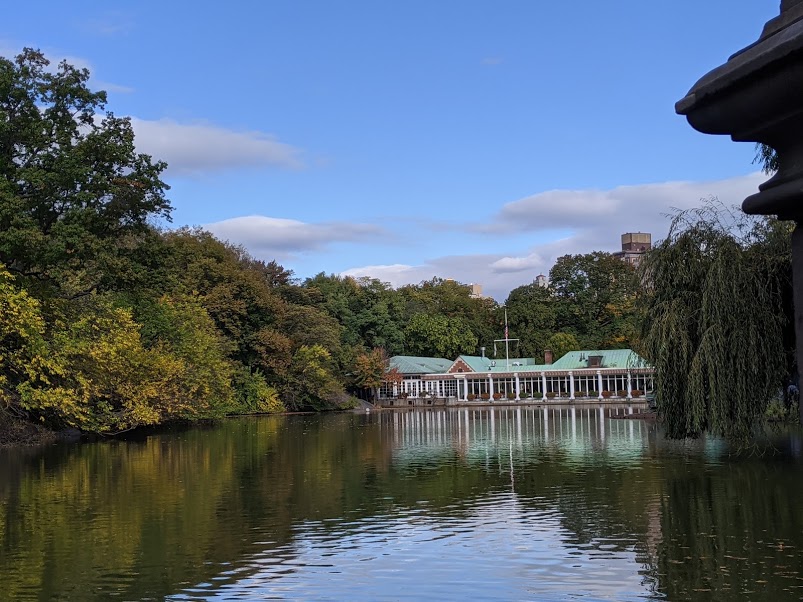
x: 528, y: 501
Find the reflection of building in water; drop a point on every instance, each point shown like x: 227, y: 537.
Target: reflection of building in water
x: 606, y: 374
x: 475, y: 434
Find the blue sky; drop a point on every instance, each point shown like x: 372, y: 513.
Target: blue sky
x: 404, y: 140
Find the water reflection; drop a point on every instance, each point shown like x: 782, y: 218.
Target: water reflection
x: 506, y: 503
x: 469, y: 432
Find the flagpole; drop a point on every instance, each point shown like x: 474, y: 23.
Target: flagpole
x: 507, y: 345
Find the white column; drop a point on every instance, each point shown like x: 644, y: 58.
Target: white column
x: 518, y: 386
x: 629, y: 386
x: 490, y: 387
x: 465, y: 389
x: 571, y: 386
x: 543, y: 386
x: 395, y: 389
x: 599, y: 384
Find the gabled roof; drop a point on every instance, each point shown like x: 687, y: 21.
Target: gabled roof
x: 408, y: 364
x: 611, y: 358
x: 489, y: 364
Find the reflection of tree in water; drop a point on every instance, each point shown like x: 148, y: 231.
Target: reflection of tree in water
x: 133, y: 519
x: 733, y: 529
x: 162, y: 514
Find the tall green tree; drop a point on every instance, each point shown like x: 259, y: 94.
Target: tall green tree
x: 439, y: 336
x: 532, y: 317
x: 595, y: 294
x: 453, y: 300
x: 369, y: 310
x: 74, y: 193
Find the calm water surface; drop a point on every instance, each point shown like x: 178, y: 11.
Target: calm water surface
x: 509, y: 504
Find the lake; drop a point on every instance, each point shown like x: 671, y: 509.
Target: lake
x: 528, y: 503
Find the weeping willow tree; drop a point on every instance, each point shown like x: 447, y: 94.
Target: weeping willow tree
x: 717, y: 318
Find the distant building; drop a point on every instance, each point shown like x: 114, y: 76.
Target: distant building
x: 476, y: 291
x: 541, y: 281
x: 590, y: 375
x: 634, y: 246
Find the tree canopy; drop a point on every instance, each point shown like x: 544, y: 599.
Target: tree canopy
x: 74, y: 193
x: 716, y: 313
x: 589, y: 304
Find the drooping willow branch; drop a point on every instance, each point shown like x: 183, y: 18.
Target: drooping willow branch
x: 715, y: 317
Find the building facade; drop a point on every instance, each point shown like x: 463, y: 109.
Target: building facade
x: 589, y: 375
x: 634, y: 246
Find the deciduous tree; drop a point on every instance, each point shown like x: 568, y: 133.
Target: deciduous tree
x: 716, y: 312
x: 74, y: 193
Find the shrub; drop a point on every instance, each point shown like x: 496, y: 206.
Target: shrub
x: 550, y: 395
x: 621, y: 393
x: 485, y: 396
x: 497, y: 396
x: 471, y: 396
x: 254, y: 395
x: 511, y: 395
x: 606, y: 394
x: 593, y: 393
x: 582, y: 394
x: 637, y: 392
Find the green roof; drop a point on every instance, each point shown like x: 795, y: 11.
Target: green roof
x: 408, y: 364
x: 611, y: 358
x: 495, y: 364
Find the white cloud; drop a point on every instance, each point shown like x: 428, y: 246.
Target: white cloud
x: 593, y: 220
x: 278, y: 238
x: 188, y: 148
x: 518, y: 264
x: 597, y: 209
x: 201, y: 147
x: 397, y: 274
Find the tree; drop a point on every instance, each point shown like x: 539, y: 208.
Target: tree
x: 767, y: 157
x: 310, y: 382
x: 74, y: 193
x: 452, y: 299
x: 368, y: 310
x: 717, y: 309
x: 562, y: 343
x: 439, y: 336
x: 370, y: 368
x: 532, y: 316
x: 595, y: 294
x: 23, y: 349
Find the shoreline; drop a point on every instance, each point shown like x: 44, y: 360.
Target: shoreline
x: 18, y: 432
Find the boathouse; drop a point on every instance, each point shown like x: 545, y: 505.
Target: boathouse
x: 619, y: 374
